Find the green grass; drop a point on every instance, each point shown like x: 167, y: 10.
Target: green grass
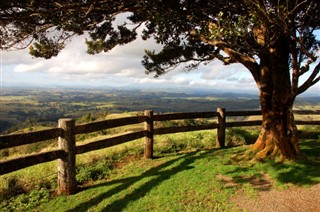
x: 188, y: 174
x: 176, y: 182
x: 199, y: 180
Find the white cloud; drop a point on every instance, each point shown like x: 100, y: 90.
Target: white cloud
x: 29, y: 67
x: 216, y: 70
x: 181, y: 80
x: 147, y: 80
x: 130, y: 72
x: 121, y: 66
x: 123, y: 61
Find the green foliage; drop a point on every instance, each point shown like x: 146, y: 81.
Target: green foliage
x: 93, y: 171
x: 26, y: 202
x: 184, y: 141
x: 45, y: 48
x: 198, y: 33
x: 86, y: 118
x: 240, y: 136
x: 178, y: 123
x: 12, y: 188
x: 234, y: 139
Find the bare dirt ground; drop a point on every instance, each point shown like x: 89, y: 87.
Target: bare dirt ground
x: 270, y: 199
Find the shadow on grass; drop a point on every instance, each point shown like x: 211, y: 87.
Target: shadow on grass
x: 302, y: 172
x: 298, y: 173
x: 159, y: 174
x: 311, y: 147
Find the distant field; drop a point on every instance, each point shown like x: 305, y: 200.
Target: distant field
x: 23, y: 108
x: 210, y: 98
x: 18, y: 99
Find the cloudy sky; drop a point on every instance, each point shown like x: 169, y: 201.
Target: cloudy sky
x: 120, y: 67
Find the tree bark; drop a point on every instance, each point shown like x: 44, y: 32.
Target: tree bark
x: 278, y: 135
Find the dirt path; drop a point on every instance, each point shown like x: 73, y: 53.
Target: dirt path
x: 271, y: 200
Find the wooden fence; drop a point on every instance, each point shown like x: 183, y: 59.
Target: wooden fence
x: 67, y: 148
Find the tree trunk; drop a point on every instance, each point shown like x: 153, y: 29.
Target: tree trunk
x: 279, y: 133
x: 278, y: 136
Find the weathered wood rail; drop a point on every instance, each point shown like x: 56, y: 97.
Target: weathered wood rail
x: 67, y: 148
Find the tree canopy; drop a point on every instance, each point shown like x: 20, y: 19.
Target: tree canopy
x: 274, y: 39
x: 191, y: 31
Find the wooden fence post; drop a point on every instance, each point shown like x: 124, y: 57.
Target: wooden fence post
x: 221, y: 131
x: 67, y: 183
x: 148, y: 126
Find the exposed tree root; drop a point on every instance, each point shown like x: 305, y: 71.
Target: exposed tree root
x: 271, y: 145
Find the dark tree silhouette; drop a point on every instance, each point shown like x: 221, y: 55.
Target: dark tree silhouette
x: 275, y: 40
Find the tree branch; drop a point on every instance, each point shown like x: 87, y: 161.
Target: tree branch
x: 249, y: 62
x: 312, y: 80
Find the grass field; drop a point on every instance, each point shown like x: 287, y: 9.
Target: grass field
x: 186, y: 181
x: 188, y: 174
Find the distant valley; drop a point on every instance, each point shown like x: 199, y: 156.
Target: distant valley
x: 25, y: 107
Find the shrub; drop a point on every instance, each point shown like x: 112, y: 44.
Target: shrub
x: 183, y: 141
x: 240, y: 136
x: 26, y: 202
x: 13, y: 187
x: 93, y: 171
x: 168, y: 145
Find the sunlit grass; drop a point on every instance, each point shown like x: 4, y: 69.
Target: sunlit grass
x: 196, y: 180
x: 176, y: 182
x: 187, y: 174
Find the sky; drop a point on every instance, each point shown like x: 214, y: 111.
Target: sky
x: 120, y: 68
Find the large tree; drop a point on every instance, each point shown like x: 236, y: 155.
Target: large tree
x: 274, y: 39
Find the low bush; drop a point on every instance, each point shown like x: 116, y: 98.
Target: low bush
x: 240, y: 136
x: 12, y: 188
x: 183, y: 141
x: 26, y: 202
x: 17, y: 196
x: 93, y: 171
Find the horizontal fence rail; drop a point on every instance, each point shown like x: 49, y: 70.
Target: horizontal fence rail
x: 299, y: 122
x: 68, y: 150
x: 30, y: 160
x: 7, y: 141
x: 307, y: 112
